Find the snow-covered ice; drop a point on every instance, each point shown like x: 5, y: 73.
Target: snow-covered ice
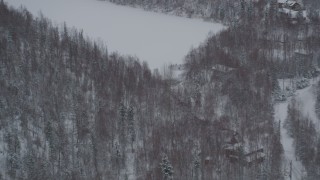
x: 153, y: 37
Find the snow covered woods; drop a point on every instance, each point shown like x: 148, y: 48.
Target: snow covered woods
x: 71, y: 109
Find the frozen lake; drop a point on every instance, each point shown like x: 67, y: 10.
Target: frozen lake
x: 153, y: 37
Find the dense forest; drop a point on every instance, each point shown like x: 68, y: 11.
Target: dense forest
x: 70, y: 109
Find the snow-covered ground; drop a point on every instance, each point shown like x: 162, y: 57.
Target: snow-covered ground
x: 306, y: 98
x: 287, y: 142
x: 153, y: 37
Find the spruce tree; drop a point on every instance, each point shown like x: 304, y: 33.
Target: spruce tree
x: 132, y: 133
x: 122, y: 125
x: 13, y: 157
x: 166, y: 168
x: 196, y: 166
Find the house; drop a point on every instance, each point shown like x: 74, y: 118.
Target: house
x: 304, y: 60
x: 305, y: 56
x: 281, y: 3
x: 208, y: 160
x: 232, y: 151
x: 253, y: 157
x: 294, y: 6
x: 222, y: 68
x: 292, y: 9
x: 232, y: 148
x: 290, y: 4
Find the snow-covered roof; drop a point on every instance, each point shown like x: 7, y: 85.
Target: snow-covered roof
x: 291, y: 3
x: 256, y: 155
x: 232, y: 146
x: 302, y: 52
x: 222, y: 68
x: 291, y: 12
x: 282, y: 1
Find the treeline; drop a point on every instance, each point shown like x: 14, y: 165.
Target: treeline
x: 219, y: 10
x: 226, y: 11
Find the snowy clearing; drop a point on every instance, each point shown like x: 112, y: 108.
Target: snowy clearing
x: 307, y: 98
x: 153, y: 37
x: 287, y: 143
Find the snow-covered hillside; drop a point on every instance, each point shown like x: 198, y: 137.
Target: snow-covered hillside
x: 156, y: 38
x: 287, y: 143
x: 306, y: 98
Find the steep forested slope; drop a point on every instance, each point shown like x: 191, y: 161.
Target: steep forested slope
x: 69, y: 109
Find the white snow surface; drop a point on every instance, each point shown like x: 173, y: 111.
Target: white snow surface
x: 306, y: 98
x: 156, y: 38
x: 287, y: 143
